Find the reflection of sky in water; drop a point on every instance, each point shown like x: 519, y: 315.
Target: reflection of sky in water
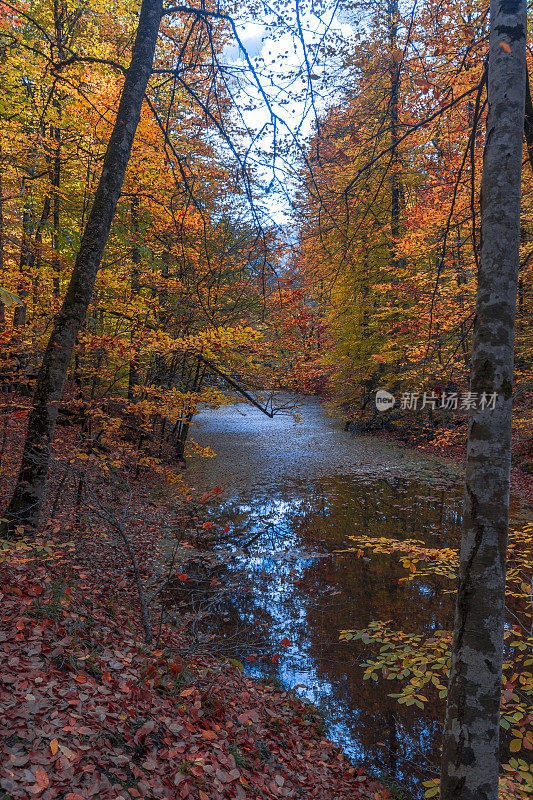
x: 292, y: 584
x: 295, y: 493
x: 295, y: 667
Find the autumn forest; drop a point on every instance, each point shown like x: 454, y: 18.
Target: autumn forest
x: 266, y: 384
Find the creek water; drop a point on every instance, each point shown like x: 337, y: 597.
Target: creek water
x: 296, y: 488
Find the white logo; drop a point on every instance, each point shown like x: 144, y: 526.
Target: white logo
x: 384, y: 400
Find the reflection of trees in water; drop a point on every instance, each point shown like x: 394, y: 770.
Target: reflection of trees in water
x: 388, y: 737
x: 370, y: 590
x: 409, y: 736
x: 391, y: 508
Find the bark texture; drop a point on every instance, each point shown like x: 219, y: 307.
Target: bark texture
x: 394, y: 121
x: 26, y: 503
x: 528, y: 121
x: 470, y: 761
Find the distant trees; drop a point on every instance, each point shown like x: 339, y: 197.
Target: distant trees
x: 389, y: 220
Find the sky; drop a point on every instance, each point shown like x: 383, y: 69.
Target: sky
x: 298, y: 86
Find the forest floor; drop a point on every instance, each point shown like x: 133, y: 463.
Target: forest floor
x: 88, y: 710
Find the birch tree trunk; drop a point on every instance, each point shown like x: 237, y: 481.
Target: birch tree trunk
x: 471, y: 735
x: 26, y: 503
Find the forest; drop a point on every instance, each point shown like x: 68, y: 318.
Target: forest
x: 266, y: 400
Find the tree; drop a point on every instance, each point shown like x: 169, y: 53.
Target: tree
x: 471, y: 735
x: 188, y: 264
x: 25, y: 505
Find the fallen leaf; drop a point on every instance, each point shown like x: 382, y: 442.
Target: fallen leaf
x: 41, y: 777
x: 67, y: 753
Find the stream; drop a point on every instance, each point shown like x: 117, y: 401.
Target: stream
x: 295, y: 489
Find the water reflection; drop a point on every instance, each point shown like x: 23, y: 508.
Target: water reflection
x: 303, y: 589
x: 295, y: 492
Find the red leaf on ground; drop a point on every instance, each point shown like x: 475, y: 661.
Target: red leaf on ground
x: 42, y: 778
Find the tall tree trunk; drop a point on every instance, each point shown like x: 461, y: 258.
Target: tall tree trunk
x: 394, y: 120
x: 528, y: 121
x: 56, y: 179
x: 26, y: 503
x: 19, y: 315
x: 135, y: 283
x: 185, y: 423
x: 471, y: 734
x: 36, y: 256
x: 55, y: 172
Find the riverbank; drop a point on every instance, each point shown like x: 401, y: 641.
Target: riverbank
x: 450, y: 445
x: 89, y: 710
x: 131, y: 720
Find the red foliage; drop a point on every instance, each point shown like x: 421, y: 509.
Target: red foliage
x: 88, y: 711
x: 120, y: 726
